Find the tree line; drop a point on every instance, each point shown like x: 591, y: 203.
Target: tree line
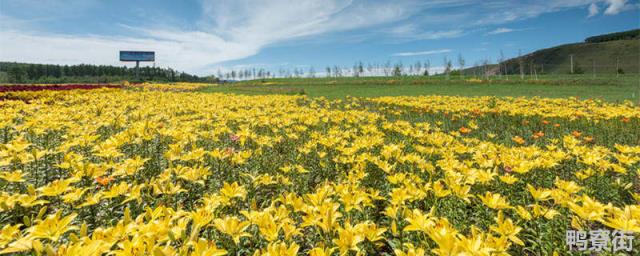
x: 12, y: 72
x: 359, y: 69
x: 388, y: 68
x: 624, y: 35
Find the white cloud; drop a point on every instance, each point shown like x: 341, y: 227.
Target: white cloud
x: 500, y: 12
x: 500, y: 31
x: 432, y: 35
x: 411, y: 31
x: 593, y: 10
x: 406, y: 54
x: 280, y: 20
x: 615, y: 6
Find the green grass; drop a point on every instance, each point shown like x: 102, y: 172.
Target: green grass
x: 609, y: 88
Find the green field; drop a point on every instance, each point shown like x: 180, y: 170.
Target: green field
x: 609, y: 88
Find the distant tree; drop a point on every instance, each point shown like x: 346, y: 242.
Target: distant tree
x: 4, y: 77
x: 447, y: 67
x: 461, y: 63
x: 336, y: 71
x: 418, y: 67
x: 387, y: 68
x: 427, y: 66
x: 328, y: 72
x: 521, y: 64
x: 17, y: 74
x: 397, y: 70
x: 624, y: 35
x: 485, y: 68
x: 501, y: 64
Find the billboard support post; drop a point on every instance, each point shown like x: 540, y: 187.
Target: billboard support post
x: 137, y: 56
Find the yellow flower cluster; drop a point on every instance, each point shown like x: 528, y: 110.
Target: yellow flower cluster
x: 178, y: 86
x: 544, y: 107
x: 129, y: 172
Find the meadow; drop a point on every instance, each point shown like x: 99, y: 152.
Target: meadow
x: 157, y: 169
x: 605, y: 87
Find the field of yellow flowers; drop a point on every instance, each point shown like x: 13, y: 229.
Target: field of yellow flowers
x: 157, y: 172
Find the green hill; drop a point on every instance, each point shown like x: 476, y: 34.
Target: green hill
x: 624, y: 35
x: 603, y: 54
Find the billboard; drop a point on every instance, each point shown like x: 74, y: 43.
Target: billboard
x: 137, y: 56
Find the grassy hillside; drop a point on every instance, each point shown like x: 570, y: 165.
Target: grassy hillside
x: 605, y: 55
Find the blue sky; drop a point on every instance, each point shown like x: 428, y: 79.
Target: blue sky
x: 203, y: 37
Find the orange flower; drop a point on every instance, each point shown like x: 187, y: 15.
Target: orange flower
x: 518, y: 139
x: 576, y: 134
x: 588, y: 139
x: 464, y: 130
x: 538, y: 135
x: 545, y: 122
x: 104, y: 180
x: 625, y: 120
x: 556, y: 125
x: 525, y: 122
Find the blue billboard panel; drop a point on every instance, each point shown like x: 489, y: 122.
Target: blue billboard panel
x: 137, y: 56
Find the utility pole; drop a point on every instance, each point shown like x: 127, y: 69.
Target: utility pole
x: 571, y: 56
x: 137, y: 70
